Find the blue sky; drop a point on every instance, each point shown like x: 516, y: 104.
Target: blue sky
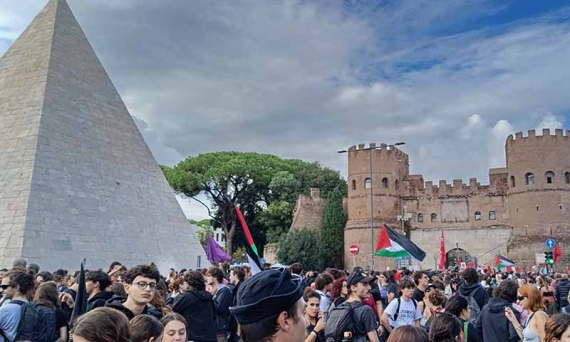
x: 303, y: 79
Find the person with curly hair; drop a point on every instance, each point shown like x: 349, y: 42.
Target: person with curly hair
x: 140, y: 284
x: 339, y: 291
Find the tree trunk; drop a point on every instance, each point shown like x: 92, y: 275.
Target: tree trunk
x: 230, y: 237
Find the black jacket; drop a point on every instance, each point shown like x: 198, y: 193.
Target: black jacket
x: 476, y: 290
x: 197, y: 307
x: 223, y: 299
x: 116, y: 303
x: 493, y: 325
x: 472, y: 333
x: 561, y: 292
x: 99, y: 300
x: 233, y: 324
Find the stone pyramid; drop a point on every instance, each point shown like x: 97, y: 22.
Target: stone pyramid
x: 76, y: 177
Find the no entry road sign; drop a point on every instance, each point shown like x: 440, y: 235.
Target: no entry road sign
x: 353, y: 249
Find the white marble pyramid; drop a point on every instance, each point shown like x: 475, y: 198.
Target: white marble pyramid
x: 77, y: 179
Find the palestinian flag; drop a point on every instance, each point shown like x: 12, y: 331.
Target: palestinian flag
x: 393, y: 245
x: 501, y: 261
x: 253, y: 258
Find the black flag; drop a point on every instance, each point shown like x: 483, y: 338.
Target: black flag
x: 80, y: 306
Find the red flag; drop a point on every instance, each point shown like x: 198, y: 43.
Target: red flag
x: 442, y: 259
x: 556, y: 253
x: 383, y: 239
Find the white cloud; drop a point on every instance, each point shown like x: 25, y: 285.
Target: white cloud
x: 301, y: 79
x: 549, y: 121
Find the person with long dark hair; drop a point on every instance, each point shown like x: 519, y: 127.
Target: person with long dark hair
x: 48, y: 296
x: 445, y: 328
x: 459, y: 307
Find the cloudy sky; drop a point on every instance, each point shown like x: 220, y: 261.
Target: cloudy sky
x: 303, y: 79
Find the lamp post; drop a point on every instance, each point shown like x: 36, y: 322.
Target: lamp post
x: 372, y: 194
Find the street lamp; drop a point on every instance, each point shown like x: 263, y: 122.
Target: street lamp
x: 369, y: 149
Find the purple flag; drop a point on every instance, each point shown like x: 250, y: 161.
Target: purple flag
x: 214, y: 252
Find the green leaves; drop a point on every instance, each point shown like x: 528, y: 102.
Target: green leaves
x: 302, y: 246
x: 265, y: 185
x: 332, y: 233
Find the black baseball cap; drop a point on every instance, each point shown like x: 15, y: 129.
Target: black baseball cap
x: 265, y: 294
x: 358, y: 277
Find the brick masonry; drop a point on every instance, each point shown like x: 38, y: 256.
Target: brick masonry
x: 76, y: 177
x: 507, y: 215
x: 309, y: 211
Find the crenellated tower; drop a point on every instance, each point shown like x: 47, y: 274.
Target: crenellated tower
x: 390, y: 166
x: 539, y: 183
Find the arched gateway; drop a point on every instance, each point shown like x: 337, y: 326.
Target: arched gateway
x: 454, y: 254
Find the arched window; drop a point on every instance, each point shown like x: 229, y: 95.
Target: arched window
x: 367, y: 183
x: 567, y: 177
x: 420, y: 217
x: 433, y: 217
x: 397, y: 185
x: 492, y: 215
x: 513, y: 181
x: 529, y: 178
x: 385, y: 183
x: 549, y: 177
x: 477, y: 216
x: 353, y: 184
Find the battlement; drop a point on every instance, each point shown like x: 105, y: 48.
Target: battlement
x: 531, y: 134
x: 380, y: 149
x: 416, y: 186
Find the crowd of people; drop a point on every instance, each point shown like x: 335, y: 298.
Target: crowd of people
x: 224, y: 303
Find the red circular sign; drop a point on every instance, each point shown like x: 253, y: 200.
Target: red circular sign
x: 353, y: 249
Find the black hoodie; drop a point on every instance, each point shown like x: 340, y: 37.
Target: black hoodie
x: 493, y: 325
x: 116, y: 303
x: 99, y: 300
x: 476, y: 290
x: 197, y: 307
x: 561, y: 292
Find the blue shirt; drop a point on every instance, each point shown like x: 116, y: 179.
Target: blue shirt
x: 9, y: 319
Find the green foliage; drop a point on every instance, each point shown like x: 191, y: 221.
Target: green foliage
x: 204, y: 229
x: 239, y: 255
x: 276, y: 219
x: 302, y: 246
x: 265, y: 187
x: 332, y: 234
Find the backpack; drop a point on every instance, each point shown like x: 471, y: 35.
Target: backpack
x: 37, y: 323
x: 340, y: 320
x: 398, y: 308
x: 475, y: 309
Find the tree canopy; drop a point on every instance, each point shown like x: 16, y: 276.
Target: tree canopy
x: 264, y: 187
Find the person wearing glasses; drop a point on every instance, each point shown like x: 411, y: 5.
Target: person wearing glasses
x: 530, y: 299
x: 17, y: 286
x: 196, y: 305
x: 140, y: 285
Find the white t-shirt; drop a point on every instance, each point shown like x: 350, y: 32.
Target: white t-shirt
x: 408, y: 313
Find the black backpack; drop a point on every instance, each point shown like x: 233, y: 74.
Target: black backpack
x: 37, y: 323
x: 339, y: 320
x: 398, y: 308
